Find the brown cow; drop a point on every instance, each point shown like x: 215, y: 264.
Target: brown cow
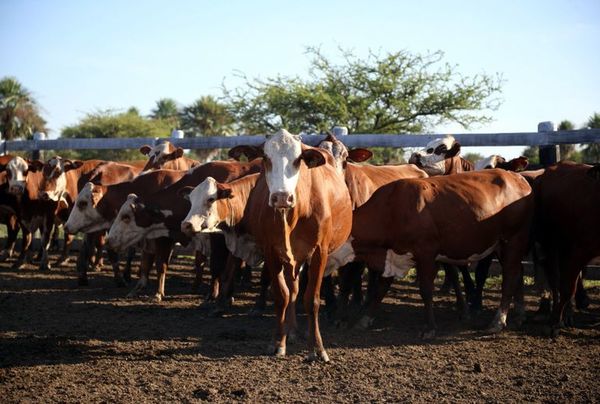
x: 567, y: 222
x: 166, y: 155
x: 162, y: 213
x: 300, y: 211
x: 8, y: 211
x: 412, y: 222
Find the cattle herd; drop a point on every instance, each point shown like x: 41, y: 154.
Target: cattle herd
x: 310, y: 217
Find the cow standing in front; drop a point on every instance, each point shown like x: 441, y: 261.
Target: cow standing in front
x: 301, y: 211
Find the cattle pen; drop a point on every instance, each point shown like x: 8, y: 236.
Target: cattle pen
x: 62, y: 342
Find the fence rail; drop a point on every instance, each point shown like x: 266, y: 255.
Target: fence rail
x: 359, y: 140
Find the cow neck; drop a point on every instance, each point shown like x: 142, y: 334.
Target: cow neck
x: 234, y: 207
x: 457, y: 164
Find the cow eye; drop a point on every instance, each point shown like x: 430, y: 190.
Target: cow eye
x: 430, y: 150
x: 125, y: 218
x: 82, y: 205
x: 210, y: 200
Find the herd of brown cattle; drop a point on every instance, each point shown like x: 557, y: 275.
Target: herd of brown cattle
x: 309, y: 212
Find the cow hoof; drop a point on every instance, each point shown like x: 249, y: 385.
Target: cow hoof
x: 18, y: 265
x: 428, y: 334
x: 131, y: 294
x: 280, y: 352
x: 218, y: 311
x: 62, y: 261
x: 314, y: 357
x: 4, y: 256
x: 364, y: 323
x: 45, y: 267
x: 158, y: 298
x: 97, y: 268
x: 495, y: 328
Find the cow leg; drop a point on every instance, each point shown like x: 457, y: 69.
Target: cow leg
x: 512, y: 274
x: 570, y: 269
x: 218, y: 260
x: 25, y: 246
x: 261, y: 300
x: 199, y: 260
x: 226, y: 283
x: 312, y: 301
x: 426, y: 271
x: 164, y: 247
x: 115, y: 260
x: 83, y: 260
x: 447, y: 284
x: 128, y: 264
x: 461, y: 304
x: 53, y: 246
x: 350, y: 279
x: 372, y: 286
x: 45, y: 243
x: 381, y: 285
x: 246, y: 278
x: 99, y: 241
x: 292, y: 280
x: 12, y: 231
x: 582, y: 301
x: 481, y: 274
x: 146, y: 262
x: 328, y: 291
x: 281, y: 298
x: 64, y: 258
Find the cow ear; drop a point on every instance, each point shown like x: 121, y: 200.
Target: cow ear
x: 251, y: 152
x: 359, y: 155
x: 72, y: 165
x: 454, y: 150
x: 519, y: 164
x: 594, y: 172
x: 35, y: 165
x: 185, y: 192
x: 224, y: 191
x: 312, y: 157
x: 175, y: 155
x: 145, y: 150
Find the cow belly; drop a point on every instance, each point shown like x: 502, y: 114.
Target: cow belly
x: 397, y: 265
x: 340, y: 257
x: 244, y: 247
x: 465, y: 261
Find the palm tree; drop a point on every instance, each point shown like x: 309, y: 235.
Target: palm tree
x: 166, y: 109
x: 567, y: 151
x: 207, y: 117
x: 19, y: 112
x: 591, y: 154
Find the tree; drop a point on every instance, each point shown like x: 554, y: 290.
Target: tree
x: 206, y: 117
x: 568, y: 151
x: 19, y: 112
x: 111, y: 124
x: 392, y: 93
x: 591, y: 153
x: 166, y: 109
x: 473, y: 157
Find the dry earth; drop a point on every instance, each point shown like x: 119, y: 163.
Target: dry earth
x: 61, y: 342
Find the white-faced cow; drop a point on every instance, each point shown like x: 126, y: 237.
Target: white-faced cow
x: 301, y: 211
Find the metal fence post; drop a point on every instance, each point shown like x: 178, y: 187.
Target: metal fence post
x: 549, y: 154
x: 339, y: 131
x: 37, y: 136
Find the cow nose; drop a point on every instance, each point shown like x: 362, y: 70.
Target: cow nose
x: 16, y: 189
x: 44, y: 196
x: 282, y: 200
x: 415, y: 159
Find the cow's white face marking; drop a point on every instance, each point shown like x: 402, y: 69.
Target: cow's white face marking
x: 282, y: 151
x: 124, y: 232
x: 397, y: 265
x: 57, y: 172
x: 340, y: 257
x: 84, y: 216
x: 17, y: 171
x: 203, y: 215
x: 432, y: 158
x: 489, y: 162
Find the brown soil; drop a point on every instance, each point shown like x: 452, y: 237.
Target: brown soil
x: 61, y: 342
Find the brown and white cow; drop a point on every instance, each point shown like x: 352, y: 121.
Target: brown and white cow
x: 147, y: 218
x: 166, y: 155
x: 301, y: 211
x: 412, y: 222
x: 567, y: 225
x: 97, y: 205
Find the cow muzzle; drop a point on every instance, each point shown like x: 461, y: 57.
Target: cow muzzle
x: 16, y: 189
x: 415, y: 159
x: 187, y: 228
x: 283, y: 200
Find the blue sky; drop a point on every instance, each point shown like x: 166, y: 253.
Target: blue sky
x: 79, y: 56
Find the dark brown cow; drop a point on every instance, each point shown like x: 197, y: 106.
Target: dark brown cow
x: 166, y: 155
x: 567, y: 223
x: 300, y: 211
x: 412, y: 222
x: 162, y: 212
x: 8, y: 211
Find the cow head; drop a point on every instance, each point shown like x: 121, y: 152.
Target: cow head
x: 85, y: 216
x: 496, y: 161
x: 160, y: 154
x: 134, y: 222
x: 340, y: 153
x: 204, y: 215
x: 17, y: 170
x: 54, y: 178
x: 283, y: 154
x: 432, y: 159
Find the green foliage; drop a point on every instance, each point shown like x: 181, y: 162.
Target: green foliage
x: 591, y: 153
x: 166, y: 110
x: 19, y: 112
x: 567, y: 151
x: 109, y: 124
x: 393, y: 93
x: 472, y: 157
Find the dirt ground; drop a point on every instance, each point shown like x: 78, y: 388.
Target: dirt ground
x: 61, y: 342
